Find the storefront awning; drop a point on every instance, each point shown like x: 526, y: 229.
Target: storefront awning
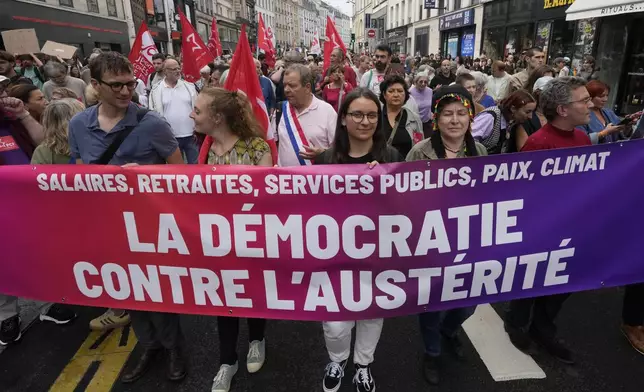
x: 584, y: 9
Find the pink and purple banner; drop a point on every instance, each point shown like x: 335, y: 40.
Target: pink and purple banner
x: 324, y: 242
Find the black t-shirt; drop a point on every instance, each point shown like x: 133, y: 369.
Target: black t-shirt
x: 326, y: 157
x: 441, y: 80
x: 402, y: 140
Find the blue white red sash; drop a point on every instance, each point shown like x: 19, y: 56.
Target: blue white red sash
x: 295, y: 132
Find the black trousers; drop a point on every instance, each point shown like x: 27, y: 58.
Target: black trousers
x: 536, y: 315
x: 156, y: 330
x: 228, y: 333
x: 633, y: 307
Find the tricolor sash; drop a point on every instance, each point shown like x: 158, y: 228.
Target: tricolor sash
x: 295, y: 132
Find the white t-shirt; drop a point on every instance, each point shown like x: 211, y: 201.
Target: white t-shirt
x: 177, y: 106
x: 376, y: 78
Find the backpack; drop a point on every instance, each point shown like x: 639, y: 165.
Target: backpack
x: 495, y: 142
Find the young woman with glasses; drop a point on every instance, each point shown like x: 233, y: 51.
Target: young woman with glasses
x: 359, y: 139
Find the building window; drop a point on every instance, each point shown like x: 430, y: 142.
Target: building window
x: 92, y: 6
x: 457, y: 5
x: 66, y: 3
x: 111, y: 8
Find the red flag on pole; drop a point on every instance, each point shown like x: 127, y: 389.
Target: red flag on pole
x: 332, y: 40
x: 265, y: 43
x: 142, y: 52
x: 193, y: 50
x: 214, y: 44
x: 242, y: 75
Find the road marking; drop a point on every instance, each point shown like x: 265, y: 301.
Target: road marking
x: 504, y: 361
x: 98, y: 362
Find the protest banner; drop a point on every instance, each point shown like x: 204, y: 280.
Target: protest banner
x: 57, y: 49
x: 324, y: 242
x: 21, y: 41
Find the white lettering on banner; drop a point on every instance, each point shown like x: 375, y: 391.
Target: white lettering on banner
x: 56, y: 182
x: 386, y: 290
x: 320, y: 235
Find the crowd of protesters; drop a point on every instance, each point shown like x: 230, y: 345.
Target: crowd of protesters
x: 369, y: 109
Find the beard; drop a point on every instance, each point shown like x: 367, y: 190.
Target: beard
x: 381, y: 66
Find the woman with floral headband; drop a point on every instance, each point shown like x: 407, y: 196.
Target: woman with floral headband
x: 452, y: 138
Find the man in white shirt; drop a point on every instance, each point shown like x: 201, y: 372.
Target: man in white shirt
x: 497, y: 84
x: 373, y: 78
x: 305, y: 117
x: 157, y: 76
x: 174, y: 99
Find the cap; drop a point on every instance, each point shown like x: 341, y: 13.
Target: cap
x: 541, y: 83
x: 567, y: 59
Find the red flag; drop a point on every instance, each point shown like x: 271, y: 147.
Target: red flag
x: 193, y: 50
x: 142, y: 52
x: 265, y: 43
x: 214, y: 44
x: 331, y: 41
x: 242, y: 75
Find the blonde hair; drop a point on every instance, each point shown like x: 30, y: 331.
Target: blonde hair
x: 91, y: 95
x: 64, y: 92
x: 236, y: 109
x: 55, y: 121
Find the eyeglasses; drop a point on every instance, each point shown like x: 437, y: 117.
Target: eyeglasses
x: 118, y: 86
x: 584, y: 101
x: 358, y: 117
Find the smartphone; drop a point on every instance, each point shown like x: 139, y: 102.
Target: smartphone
x: 625, y: 121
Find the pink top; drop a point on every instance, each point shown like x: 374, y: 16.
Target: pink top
x: 318, y: 122
x: 331, y: 95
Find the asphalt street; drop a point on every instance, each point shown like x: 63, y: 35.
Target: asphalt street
x: 296, y: 357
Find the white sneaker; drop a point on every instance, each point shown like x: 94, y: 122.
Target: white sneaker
x: 256, y: 356
x: 224, y: 378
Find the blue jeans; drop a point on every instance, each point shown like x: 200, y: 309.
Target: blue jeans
x: 188, y: 147
x: 435, y: 324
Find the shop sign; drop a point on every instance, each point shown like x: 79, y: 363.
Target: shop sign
x: 456, y: 20
x: 397, y: 34
x: 556, y: 3
x: 622, y: 9
x: 430, y: 4
x: 467, y: 45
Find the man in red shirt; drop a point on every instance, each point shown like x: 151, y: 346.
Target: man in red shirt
x: 337, y: 57
x: 566, y: 104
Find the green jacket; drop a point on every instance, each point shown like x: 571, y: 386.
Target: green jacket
x: 424, y: 151
x: 45, y: 156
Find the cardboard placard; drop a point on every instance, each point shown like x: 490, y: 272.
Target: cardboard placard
x: 22, y: 41
x: 65, y: 52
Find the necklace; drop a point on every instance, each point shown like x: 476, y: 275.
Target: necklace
x: 452, y: 151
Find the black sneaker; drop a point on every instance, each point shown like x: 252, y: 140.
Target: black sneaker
x: 333, y: 376
x: 520, y: 339
x: 430, y: 369
x: 554, y: 347
x: 455, y: 344
x: 58, y: 314
x: 10, y: 330
x: 364, y: 380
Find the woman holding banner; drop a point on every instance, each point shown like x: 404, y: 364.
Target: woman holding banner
x: 234, y: 137
x: 359, y: 139
x: 453, y: 114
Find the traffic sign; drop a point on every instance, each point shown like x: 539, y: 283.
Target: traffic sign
x: 370, y: 33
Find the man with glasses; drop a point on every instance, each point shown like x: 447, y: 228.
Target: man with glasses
x: 57, y: 74
x: 147, y: 140
x: 174, y: 98
x: 566, y: 104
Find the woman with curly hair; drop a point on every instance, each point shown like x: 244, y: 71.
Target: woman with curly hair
x: 55, y: 121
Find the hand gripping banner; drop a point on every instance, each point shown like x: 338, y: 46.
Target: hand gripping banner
x: 324, y: 242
